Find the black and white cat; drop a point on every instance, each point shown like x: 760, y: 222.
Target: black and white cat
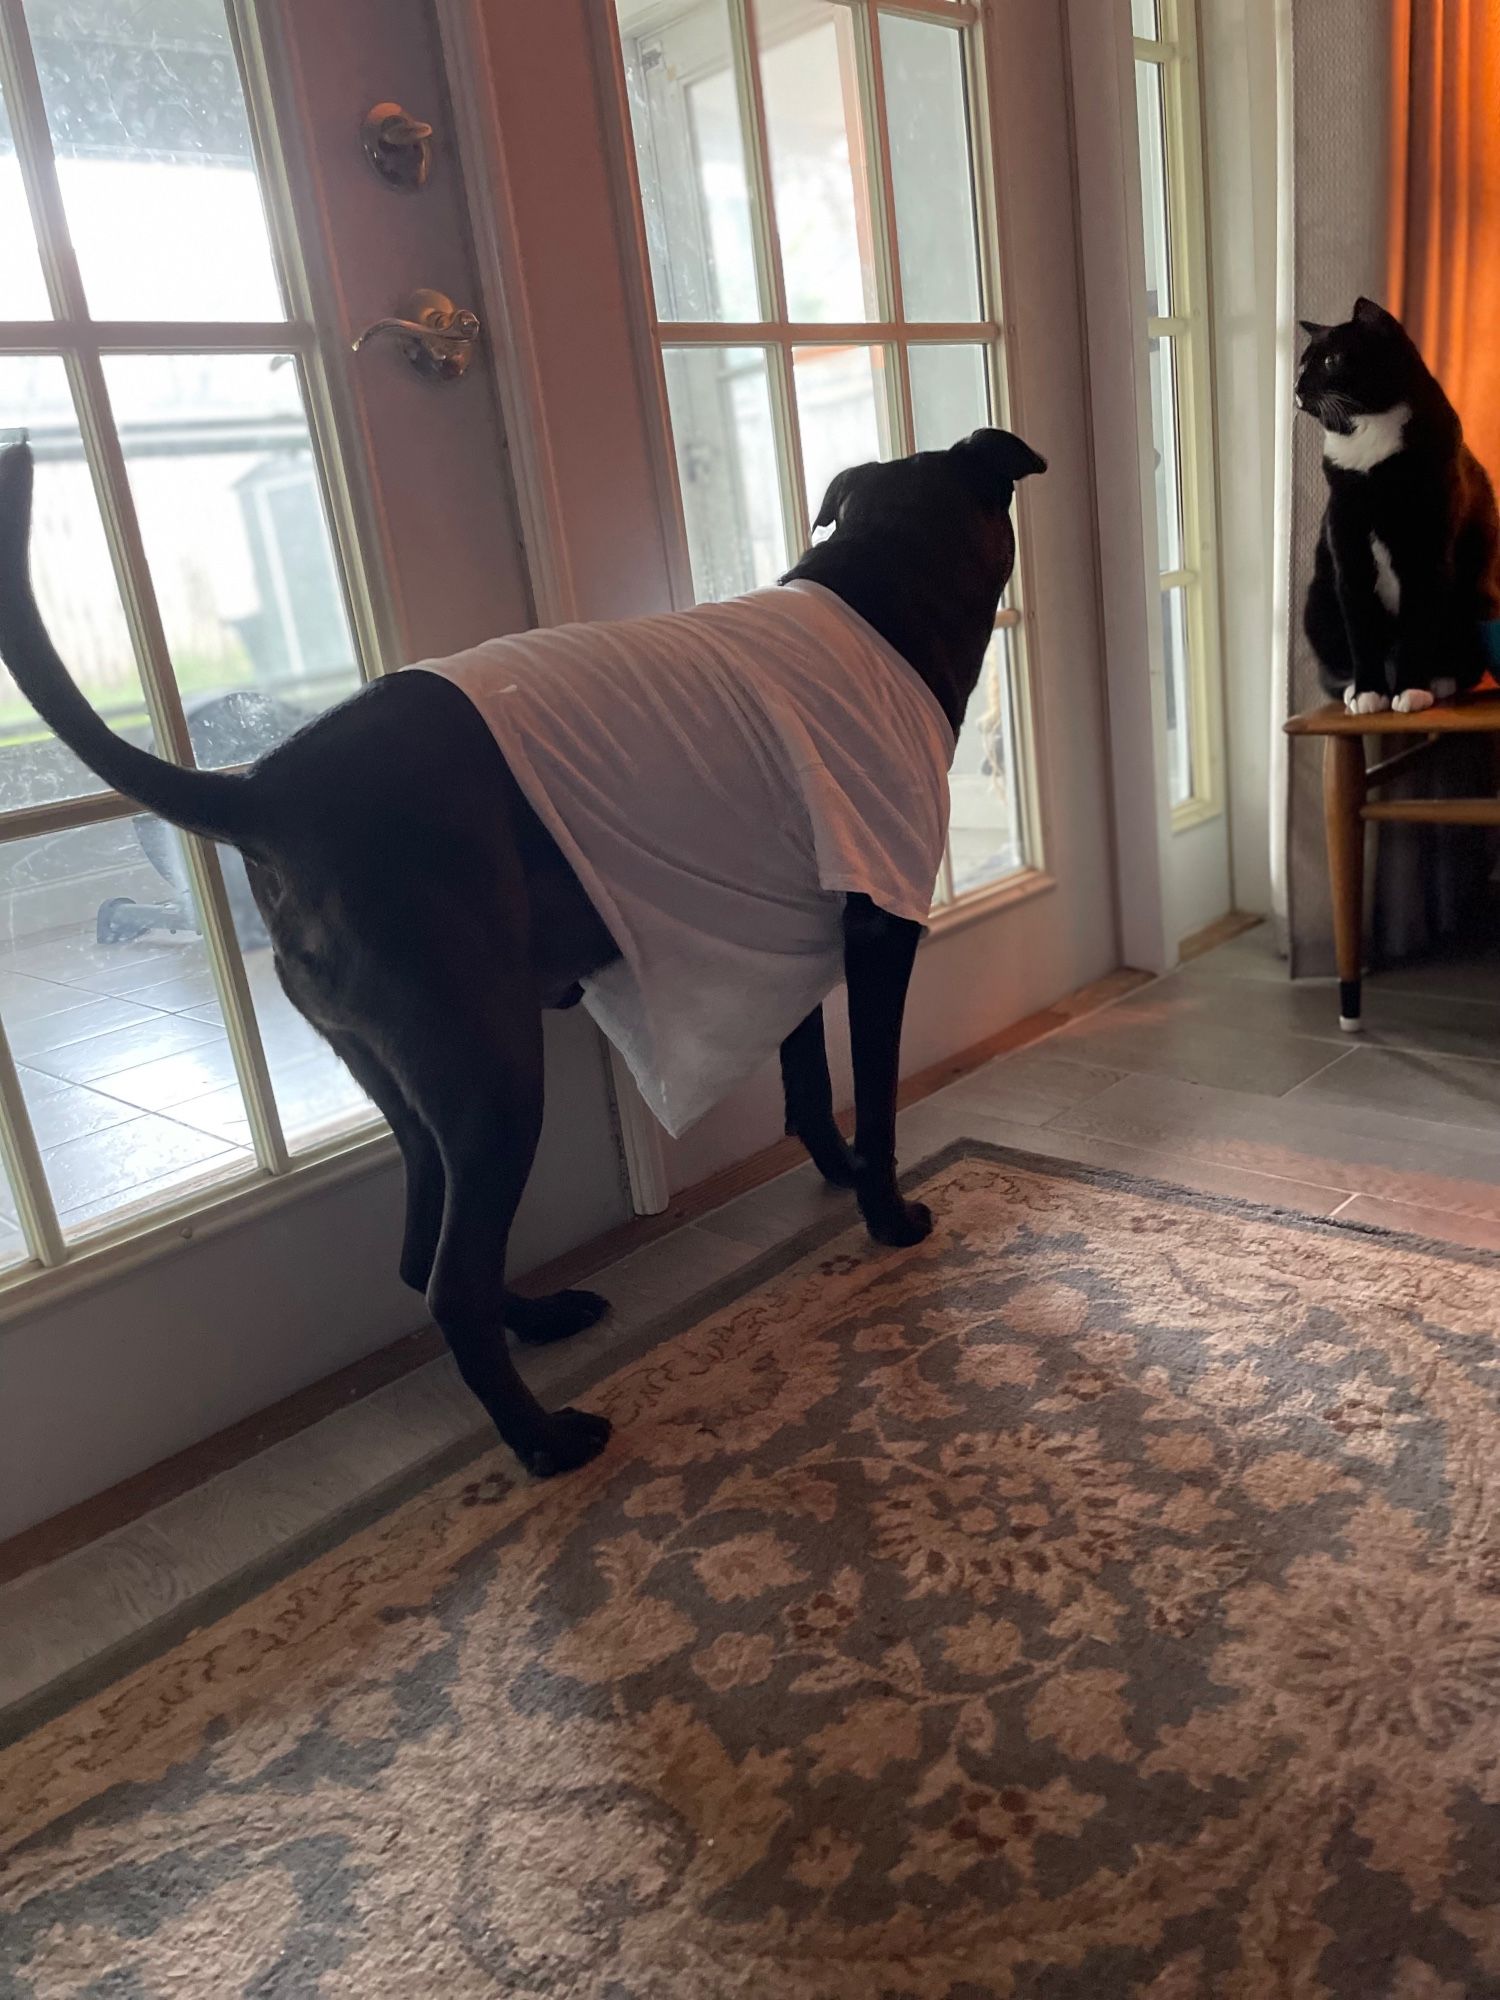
x: 1408, y: 562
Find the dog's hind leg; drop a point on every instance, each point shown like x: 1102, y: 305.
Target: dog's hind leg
x: 536, y: 1321
x: 419, y: 1156
x: 476, y: 1083
x: 809, y: 1101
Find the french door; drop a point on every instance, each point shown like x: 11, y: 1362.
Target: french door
x: 846, y: 218
x: 239, y: 518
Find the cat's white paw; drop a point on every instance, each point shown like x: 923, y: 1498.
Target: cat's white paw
x: 1364, y: 704
x: 1411, y: 701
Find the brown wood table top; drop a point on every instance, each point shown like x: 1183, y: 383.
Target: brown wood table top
x: 1468, y: 715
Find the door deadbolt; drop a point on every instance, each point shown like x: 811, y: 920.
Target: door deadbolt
x: 398, y: 146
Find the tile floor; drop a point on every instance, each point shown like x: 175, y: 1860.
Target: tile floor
x: 1222, y: 1077
x: 128, y: 1074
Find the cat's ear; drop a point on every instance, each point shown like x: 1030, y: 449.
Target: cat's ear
x: 1367, y: 313
x: 1312, y: 329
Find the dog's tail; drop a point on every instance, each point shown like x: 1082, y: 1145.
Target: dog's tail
x: 213, y: 803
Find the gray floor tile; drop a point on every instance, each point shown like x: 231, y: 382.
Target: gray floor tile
x: 24, y: 999
x: 1035, y: 1084
x: 1252, y: 955
x: 91, y: 1015
x: 78, y: 960
x: 178, y: 991
x: 134, y: 968
x: 663, y: 1275
x: 1441, y: 1225
x: 928, y: 1127
x: 72, y: 1111
x: 1441, y: 1089
x: 1365, y: 1151
x: 1165, y: 1035
x: 125, y: 1048
x: 105, y: 1166
x: 172, y: 1079
x: 57, y: 1617
x: 769, y: 1215
x: 1393, y: 1018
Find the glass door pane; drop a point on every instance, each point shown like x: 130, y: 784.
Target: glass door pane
x: 75, y: 585
x: 690, y: 157
x: 986, y: 840
x: 1150, y: 114
x: 1179, y: 689
x: 927, y: 116
x: 842, y: 410
x: 109, y: 1003
x: 819, y: 166
x: 1165, y: 440
x: 154, y: 159
x: 24, y: 295
x: 725, y: 441
x: 950, y: 394
x: 222, y: 470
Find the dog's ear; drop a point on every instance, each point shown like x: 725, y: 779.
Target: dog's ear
x: 992, y: 461
x: 836, y: 499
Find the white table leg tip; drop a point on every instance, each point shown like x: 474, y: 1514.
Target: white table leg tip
x: 1351, y: 1024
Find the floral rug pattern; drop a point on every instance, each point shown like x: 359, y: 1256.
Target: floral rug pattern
x: 1103, y: 1599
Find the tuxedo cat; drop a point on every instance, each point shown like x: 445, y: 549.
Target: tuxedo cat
x: 1408, y: 563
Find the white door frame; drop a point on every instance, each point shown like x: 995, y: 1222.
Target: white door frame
x: 505, y: 136
x: 1243, y: 50
x: 1113, y: 251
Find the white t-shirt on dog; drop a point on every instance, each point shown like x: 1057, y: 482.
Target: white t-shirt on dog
x: 719, y: 778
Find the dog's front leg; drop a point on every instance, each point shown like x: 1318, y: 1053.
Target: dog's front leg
x: 809, y: 1101
x: 879, y: 951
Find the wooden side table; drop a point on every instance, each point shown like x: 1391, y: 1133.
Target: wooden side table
x: 1348, y: 806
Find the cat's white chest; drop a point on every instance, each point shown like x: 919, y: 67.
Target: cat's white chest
x: 1387, y: 583
x: 1375, y: 436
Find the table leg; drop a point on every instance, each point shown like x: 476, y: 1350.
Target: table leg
x: 1343, y: 804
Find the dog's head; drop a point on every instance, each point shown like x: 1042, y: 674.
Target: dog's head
x: 958, y: 500
x: 922, y: 547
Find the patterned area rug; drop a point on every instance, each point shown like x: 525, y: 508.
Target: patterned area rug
x: 1102, y: 1600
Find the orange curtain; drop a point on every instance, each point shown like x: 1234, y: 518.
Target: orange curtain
x: 1445, y: 237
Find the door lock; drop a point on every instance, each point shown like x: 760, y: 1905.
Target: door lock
x: 437, y: 337
x: 398, y: 146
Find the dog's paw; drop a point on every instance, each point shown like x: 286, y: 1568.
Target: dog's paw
x: 1412, y: 701
x: 1365, y: 704
x: 900, y: 1228
x: 568, y: 1439
x: 556, y: 1316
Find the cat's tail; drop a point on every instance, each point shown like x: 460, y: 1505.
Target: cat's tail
x: 218, y: 804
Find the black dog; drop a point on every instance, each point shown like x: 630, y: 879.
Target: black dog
x: 422, y: 916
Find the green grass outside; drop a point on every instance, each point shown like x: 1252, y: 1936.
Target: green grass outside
x: 20, y: 724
